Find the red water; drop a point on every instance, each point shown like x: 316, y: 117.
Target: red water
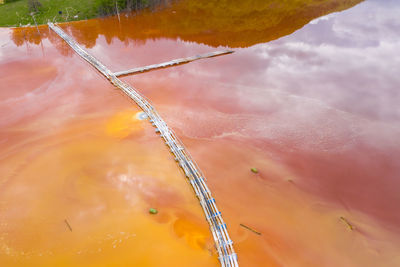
x: 315, y: 112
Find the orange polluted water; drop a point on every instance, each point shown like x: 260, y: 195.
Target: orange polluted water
x: 81, y: 169
x: 317, y: 118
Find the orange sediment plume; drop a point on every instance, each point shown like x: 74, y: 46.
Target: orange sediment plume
x: 325, y: 145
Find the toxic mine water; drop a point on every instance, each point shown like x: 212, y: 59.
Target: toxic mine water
x: 310, y: 98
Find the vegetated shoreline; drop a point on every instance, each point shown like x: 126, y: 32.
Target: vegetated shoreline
x: 28, y: 13
x: 227, y: 25
x: 58, y: 22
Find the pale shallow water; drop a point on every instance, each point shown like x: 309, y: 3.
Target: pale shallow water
x: 315, y: 111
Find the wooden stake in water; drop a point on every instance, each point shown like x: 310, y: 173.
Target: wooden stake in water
x: 69, y: 226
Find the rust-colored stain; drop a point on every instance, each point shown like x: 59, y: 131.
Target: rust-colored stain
x: 314, y: 112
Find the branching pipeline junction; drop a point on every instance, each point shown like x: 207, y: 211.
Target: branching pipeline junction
x: 224, y: 244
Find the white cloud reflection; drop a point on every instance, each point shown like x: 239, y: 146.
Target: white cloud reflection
x: 346, y: 62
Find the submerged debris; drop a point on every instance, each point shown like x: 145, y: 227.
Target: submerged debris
x: 69, y: 226
x: 351, y: 227
x: 248, y: 228
x: 141, y: 116
x: 153, y: 211
x: 254, y: 170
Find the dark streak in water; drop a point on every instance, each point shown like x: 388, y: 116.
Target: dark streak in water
x: 69, y: 226
x: 248, y: 228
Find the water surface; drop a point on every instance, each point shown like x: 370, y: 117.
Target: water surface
x: 315, y: 111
